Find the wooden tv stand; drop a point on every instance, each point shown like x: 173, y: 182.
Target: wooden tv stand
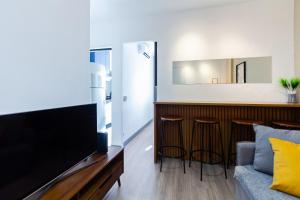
x: 93, y: 182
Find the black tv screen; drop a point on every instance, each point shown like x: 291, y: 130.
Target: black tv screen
x: 36, y: 147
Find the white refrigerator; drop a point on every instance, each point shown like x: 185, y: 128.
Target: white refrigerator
x: 98, y: 94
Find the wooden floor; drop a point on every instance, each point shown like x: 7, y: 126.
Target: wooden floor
x: 143, y: 181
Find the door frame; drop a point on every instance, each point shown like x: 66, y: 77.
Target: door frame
x: 155, y: 85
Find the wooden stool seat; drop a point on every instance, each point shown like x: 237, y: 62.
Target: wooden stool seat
x: 171, y: 118
x: 206, y: 121
x: 247, y: 122
x: 286, y: 124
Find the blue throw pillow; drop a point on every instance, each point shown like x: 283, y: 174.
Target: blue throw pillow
x: 264, y: 159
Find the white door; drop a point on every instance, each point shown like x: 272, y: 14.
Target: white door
x: 138, y: 86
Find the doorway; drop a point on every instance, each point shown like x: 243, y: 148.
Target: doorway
x: 101, y: 88
x: 139, y: 86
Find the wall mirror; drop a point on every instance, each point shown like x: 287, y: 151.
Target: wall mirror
x: 223, y: 71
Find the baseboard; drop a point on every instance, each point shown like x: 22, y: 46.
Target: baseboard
x: 136, y: 133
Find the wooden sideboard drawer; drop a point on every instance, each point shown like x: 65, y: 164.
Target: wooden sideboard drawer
x: 89, y: 190
x: 108, y: 183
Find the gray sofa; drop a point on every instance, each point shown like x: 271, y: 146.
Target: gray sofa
x: 249, y: 183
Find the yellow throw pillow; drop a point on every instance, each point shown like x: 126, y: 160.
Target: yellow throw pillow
x: 286, y: 166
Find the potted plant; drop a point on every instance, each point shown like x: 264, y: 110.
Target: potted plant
x: 291, y: 87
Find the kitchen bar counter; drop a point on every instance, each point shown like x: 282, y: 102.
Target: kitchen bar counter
x: 223, y: 111
x: 248, y: 104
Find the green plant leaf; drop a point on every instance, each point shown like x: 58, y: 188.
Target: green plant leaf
x: 295, y: 83
x: 284, y: 83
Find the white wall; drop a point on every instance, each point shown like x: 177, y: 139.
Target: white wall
x: 44, y: 54
x: 138, y: 86
x: 252, y: 29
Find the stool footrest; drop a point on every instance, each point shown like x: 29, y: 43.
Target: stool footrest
x: 176, y: 157
x: 177, y: 147
x: 214, y: 162
x: 171, y: 146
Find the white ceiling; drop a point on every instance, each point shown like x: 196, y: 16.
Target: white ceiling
x: 103, y: 9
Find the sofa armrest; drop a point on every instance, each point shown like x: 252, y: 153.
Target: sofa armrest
x: 245, y: 153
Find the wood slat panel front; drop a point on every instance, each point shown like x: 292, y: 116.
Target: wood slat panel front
x: 225, y: 113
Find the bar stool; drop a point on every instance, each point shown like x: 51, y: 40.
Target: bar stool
x: 176, y: 120
x: 209, y: 123
x: 287, y: 125
x: 234, y: 125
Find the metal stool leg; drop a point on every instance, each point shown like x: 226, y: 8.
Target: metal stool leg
x: 182, y: 146
x: 229, y: 146
x: 252, y: 133
x: 202, y: 151
x: 210, y: 145
x: 222, y: 150
x: 191, y: 146
x: 161, y: 149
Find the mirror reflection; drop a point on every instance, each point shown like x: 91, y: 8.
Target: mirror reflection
x: 223, y: 71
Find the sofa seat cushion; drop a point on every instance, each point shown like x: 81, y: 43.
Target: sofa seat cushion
x: 257, y: 184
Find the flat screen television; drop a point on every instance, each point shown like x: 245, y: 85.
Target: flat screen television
x: 38, y: 146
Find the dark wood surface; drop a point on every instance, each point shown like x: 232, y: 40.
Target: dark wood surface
x: 206, y: 120
x: 171, y: 118
x: 92, y: 182
x: 288, y: 125
x: 247, y: 122
x: 224, y: 112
